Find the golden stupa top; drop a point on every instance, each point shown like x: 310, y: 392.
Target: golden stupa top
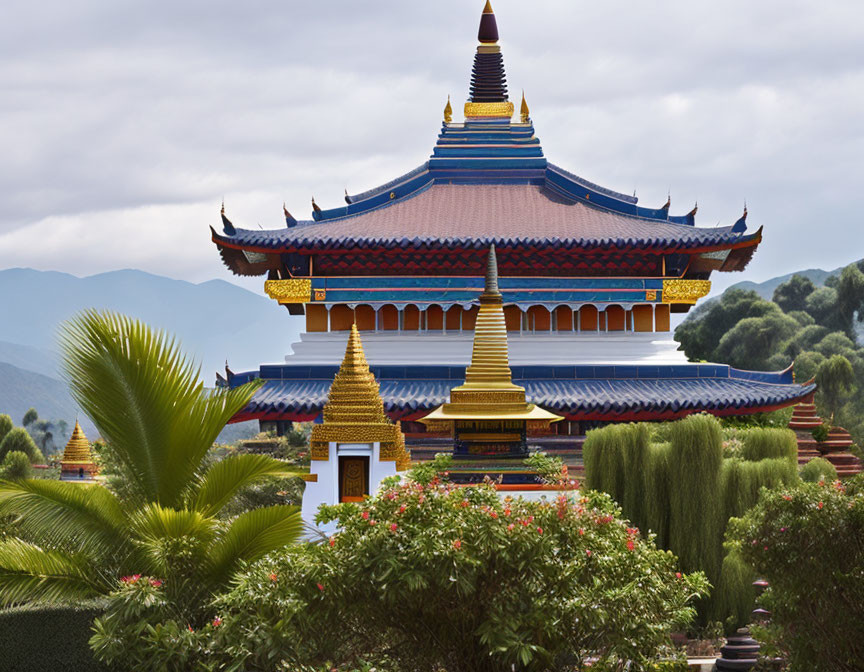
x: 77, y: 450
x: 489, y: 392
x: 354, y: 412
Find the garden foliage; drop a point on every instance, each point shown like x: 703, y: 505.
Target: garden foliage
x: 426, y: 576
x: 808, y: 543
x: 72, y: 542
x: 18, y: 440
x: 684, y: 490
x: 818, y: 469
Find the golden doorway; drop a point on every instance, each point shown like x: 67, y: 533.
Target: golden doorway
x: 353, y: 478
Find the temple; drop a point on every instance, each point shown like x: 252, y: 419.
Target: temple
x: 77, y: 463
x: 356, y: 445
x: 588, y: 277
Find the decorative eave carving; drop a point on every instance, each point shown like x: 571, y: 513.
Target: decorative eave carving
x: 685, y: 291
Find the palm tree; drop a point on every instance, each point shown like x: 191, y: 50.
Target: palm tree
x: 158, y: 422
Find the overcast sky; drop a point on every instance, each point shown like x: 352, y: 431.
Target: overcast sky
x: 124, y: 124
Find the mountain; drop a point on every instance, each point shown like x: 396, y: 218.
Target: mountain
x: 213, y: 321
x: 766, y: 289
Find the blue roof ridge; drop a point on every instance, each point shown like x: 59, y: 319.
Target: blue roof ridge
x: 375, y: 191
x: 582, y: 182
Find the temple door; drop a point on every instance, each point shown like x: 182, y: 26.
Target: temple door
x: 353, y: 478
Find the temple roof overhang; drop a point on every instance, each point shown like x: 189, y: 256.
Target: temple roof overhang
x: 602, y: 393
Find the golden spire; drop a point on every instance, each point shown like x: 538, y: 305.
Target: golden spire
x: 77, y: 451
x: 524, y: 111
x: 448, y: 112
x: 488, y: 8
x: 489, y: 392
x: 354, y: 412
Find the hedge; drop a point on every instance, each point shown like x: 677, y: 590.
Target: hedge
x: 48, y: 639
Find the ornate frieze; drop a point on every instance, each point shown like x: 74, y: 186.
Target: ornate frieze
x: 685, y: 291
x: 505, y: 109
x: 294, y: 290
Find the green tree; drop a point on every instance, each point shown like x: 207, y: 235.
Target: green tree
x: 850, y: 298
x: 792, y: 294
x: 429, y: 576
x: 822, y: 306
x: 30, y: 417
x: 808, y: 543
x: 159, y: 422
x: 18, y: 439
x: 836, y: 380
x: 700, y: 334
x: 753, y: 340
x: 6, y: 426
x: 15, y: 466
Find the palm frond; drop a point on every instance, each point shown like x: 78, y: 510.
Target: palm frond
x: 90, y: 518
x: 30, y: 573
x: 146, y: 399
x: 227, y: 477
x: 254, y: 534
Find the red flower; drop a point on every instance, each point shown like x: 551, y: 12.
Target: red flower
x: 189, y: 628
x: 320, y: 586
x: 493, y: 514
x: 402, y: 509
x: 457, y: 544
x: 630, y: 545
x: 365, y: 515
x: 217, y: 622
x: 273, y: 577
x: 391, y: 496
x: 788, y: 498
x: 588, y: 553
x: 332, y: 541
x: 464, y: 503
x: 677, y: 575
x: 820, y: 505
x: 373, y: 522
x: 581, y: 531
x: 507, y: 512
x: 394, y: 527
x: 511, y: 526
x: 156, y: 583
x: 131, y: 579
x: 539, y: 530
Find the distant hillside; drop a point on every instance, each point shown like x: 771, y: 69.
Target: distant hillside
x: 213, y: 321
x: 766, y: 289
x: 20, y: 389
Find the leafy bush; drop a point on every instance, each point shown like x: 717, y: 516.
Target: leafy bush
x: 808, y: 543
x: 430, y: 576
x: 17, y: 439
x: 47, y: 639
x: 15, y: 466
x: 6, y: 426
x: 820, y: 433
x: 818, y: 469
x: 685, y: 490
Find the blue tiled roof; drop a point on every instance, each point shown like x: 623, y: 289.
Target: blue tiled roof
x: 577, y: 397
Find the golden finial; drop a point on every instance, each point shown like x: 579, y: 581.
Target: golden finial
x: 315, y: 206
x: 448, y: 112
x: 354, y: 412
x: 488, y: 8
x: 223, y: 206
x: 524, y: 111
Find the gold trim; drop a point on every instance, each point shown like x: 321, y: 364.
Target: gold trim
x: 320, y: 294
x: 489, y: 109
x: 685, y: 291
x: 650, y: 294
x: 295, y: 290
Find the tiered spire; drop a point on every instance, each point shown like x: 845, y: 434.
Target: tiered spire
x: 488, y: 91
x: 354, y: 412
x: 489, y: 392
x: 77, y: 462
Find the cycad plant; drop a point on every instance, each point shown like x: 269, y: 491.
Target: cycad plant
x: 158, y: 421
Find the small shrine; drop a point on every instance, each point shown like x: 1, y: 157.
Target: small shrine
x: 356, y: 445
x: 77, y: 463
x: 488, y: 416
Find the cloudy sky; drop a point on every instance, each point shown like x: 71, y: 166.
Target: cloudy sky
x: 124, y: 124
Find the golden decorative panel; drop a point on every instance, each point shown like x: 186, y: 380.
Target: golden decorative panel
x: 320, y: 294
x: 685, y: 291
x: 294, y: 290
x: 489, y: 109
x: 650, y: 294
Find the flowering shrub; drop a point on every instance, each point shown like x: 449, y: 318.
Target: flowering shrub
x: 428, y: 575
x: 808, y: 543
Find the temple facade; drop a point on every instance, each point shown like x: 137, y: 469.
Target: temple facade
x: 77, y: 463
x: 589, y: 280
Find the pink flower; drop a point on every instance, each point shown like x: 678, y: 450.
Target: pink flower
x: 320, y: 586
x: 217, y: 622
x: 402, y: 509
x: 391, y: 496
x: 365, y: 515
x: 373, y: 522
x: 511, y: 526
x: 156, y: 583
x: 677, y: 575
x: 394, y: 527
x: 539, y: 530
x: 588, y: 553
x: 457, y: 544
x: 131, y: 579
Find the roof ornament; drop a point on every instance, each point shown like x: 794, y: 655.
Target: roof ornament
x: 448, y: 112
x: 524, y: 111
x: 668, y: 202
x: 488, y: 33
x: 289, y: 218
x: 229, y: 374
x: 347, y: 197
x: 315, y: 206
x: 227, y: 226
x: 741, y: 225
